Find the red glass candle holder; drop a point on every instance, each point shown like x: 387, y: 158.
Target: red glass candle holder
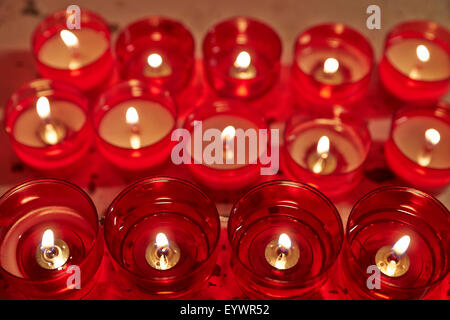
x: 401, y: 235
x: 416, y: 61
x: 226, y: 118
x: 47, y: 124
x: 285, y: 237
x: 242, y: 57
x: 157, y: 50
x: 82, y: 57
x: 162, y: 234
x: 326, y: 152
x: 418, y: 147
x: 332, y: 65
x: 134, y: 123
x: 49, y: 271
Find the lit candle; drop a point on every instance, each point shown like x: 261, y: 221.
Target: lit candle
x: 52, y: 254
x: 51, y: 131
x: 432, y: 138
x: 393, y: 261
x: 242, y: 67
x: 157, y: 66
x: 162, y: 254
x: 132, y: 118
x: 322, y: 161
x: 330, y: 72
x: 281, y: 253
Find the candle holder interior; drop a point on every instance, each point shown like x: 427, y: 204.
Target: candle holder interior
x: 241, y: 57
x: 378, y: 221
x: 66, y: 140
x: 408, y: 86
x: 28, y: 210
x: 178, y: 216
x: 90, y: 75
x: 332, y: 65
x: 157, y: 50
x: 314, y: 236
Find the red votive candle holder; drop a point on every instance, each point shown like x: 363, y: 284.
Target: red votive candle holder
x: 46, y: 122
x: 416, y: 61
x: 162, y: 234
x: 396, y: 245
x: 82, y: 56
x: 235, y: 161
x: 134, y: 123
x: 157, y: 50
x: 285, y: 237
x: 418, y: 147
x: 332, y: 65
x: 242, y: 57
x: 326, y: 152
x: 50, y: 247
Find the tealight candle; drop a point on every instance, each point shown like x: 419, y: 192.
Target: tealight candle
x: 47, y: 124
x: 285, y: 238
x: 332, y: 65
x: 395, y: 245
x: 327, y: 153
x: 134, y: 125
x: 236, y: 162
x: 51, y: 227
x: 418, y: 147
x: 162, y: 234
x: 416, y: 61
x: 158, y: 51
x: 82, y: 57
x: 242, y: 57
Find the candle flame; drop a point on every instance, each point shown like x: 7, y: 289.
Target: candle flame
x: 284, y: 242
x: 154, y: 60
x: 132, y: 116
x: 228, y: 133
x: 243, y: 60
x: 48, y: 240
x: 401, y: 246
x: 331, y: 65
x: 43, y: 108
x: 323, y: 146
x: 432, y: 137
x: 423, y: 53
x: 69, y: 38
x: 161, y: 240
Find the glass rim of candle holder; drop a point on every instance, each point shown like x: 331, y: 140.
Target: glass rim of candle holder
x: 89, y: 256
x: 296, y: 170
x: 409, y: 167
x: 335, y: 29
x: 239, y: 31
x: 239, y: 222
x: 125, y: 91
x: 153, y: 29
x: 403, y: 208
x: 27, y: 95
x: 168, y: 192
x: 227, y: 107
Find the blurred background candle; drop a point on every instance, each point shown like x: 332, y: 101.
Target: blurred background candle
x: 162, y: 234
x: 158, y: 51
x: 332, y: 65
x: 82, y: 57
x: 49, y: 226
x: 47, y: 124
x: 416, y: 62
x: 402, y: 233
x: 419, y: 144
x: 239, y: 165
x: 241, y: 57
x: 285, y: 237
x: 134, y: 125
x: 326, y: 152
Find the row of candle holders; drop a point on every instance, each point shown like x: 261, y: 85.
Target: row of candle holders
x: 162, y: 234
